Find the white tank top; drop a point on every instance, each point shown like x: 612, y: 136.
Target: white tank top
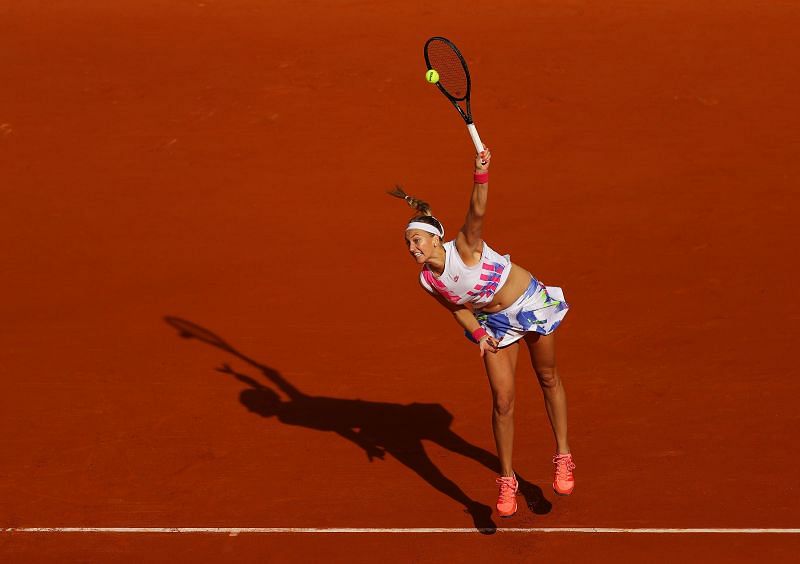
x: 462, y: 284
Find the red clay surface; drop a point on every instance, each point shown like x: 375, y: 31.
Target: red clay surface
x: 225, y: 163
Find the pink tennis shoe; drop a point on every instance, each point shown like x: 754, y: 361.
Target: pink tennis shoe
x: 564, y: 480
x: 507, y: 500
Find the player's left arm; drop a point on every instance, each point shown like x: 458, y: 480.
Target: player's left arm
x: 469, y: 241
x: 466, y: 318
x: 372, y: 450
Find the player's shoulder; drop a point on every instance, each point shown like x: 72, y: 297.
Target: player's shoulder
x: 469, y: 251
x: 424, y: 280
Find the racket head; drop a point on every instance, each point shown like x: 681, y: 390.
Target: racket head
x: 442, y: 55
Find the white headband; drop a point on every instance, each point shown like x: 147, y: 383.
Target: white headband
x: 425, y: 227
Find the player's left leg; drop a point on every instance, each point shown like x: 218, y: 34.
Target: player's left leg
x: 543, y: 358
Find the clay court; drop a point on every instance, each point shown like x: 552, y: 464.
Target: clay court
x: 195, y: 220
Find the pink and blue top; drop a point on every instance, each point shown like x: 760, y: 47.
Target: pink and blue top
x: 461, y: 284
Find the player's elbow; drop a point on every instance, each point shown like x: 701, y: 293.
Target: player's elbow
x: 460, y: 312
x: 476, y: 214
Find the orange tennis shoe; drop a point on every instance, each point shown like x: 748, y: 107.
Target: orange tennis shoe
x: 507, y: 500
x: 564, y: 480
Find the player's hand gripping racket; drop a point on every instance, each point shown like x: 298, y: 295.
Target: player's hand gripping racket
x: 454, y: 82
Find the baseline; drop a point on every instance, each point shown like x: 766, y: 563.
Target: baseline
x: 413, y: 530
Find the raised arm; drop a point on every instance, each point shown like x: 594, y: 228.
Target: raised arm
x: 469, y: 240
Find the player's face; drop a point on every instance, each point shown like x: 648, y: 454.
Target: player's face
x: 420, y: 245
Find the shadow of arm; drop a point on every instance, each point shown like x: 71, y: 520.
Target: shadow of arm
x: 372, y: 450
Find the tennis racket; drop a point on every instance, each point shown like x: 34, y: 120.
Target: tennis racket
x: 444, y: 57
x: 189, y: 330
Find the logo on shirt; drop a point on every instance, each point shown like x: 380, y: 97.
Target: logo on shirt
x: 455, y: 278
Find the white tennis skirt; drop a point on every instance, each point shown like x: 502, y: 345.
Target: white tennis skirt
x: 539, y: 309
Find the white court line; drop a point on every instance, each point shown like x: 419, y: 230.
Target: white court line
x: 419, y: 530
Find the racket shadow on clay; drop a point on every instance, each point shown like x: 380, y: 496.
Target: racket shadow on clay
x: 376, y: 427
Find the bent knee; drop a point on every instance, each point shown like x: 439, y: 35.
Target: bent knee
x: 548, y: 378
x: 504, y: 405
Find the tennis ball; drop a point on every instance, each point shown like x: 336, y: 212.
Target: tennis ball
x: 432, y: 76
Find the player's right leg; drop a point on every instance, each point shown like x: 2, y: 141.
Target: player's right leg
x: 500, y: 369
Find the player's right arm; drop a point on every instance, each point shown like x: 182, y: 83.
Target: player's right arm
x: 469, y: 241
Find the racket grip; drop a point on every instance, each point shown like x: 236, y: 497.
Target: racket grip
x: 476, y: 140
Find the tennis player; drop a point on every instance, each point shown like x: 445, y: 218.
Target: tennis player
x: 499, y: 304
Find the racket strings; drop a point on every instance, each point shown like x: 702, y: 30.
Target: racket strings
x: 452, y: 75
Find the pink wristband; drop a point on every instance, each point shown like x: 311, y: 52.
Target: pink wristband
x: 481, y: 177
x: 479, y: 334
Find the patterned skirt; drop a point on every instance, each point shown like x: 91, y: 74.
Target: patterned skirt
x: 539, y: 309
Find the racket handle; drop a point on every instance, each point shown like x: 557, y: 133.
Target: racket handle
x: 476, y: 140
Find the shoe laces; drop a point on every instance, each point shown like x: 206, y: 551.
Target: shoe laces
x: 564, y: 466
x: 508, y: 488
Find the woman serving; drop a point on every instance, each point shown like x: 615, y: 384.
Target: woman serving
x: 498, y: 303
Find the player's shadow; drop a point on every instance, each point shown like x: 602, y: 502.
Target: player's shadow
x: 376, y: 427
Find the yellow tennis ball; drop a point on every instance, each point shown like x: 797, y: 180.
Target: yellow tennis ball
x: 432, y: 76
